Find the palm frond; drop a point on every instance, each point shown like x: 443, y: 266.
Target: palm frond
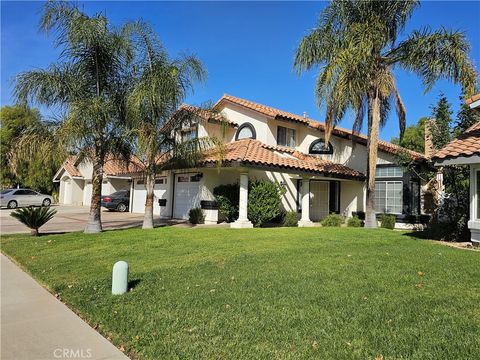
x: 435, y: 55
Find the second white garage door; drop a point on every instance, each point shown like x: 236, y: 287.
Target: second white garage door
x: 187, y: 188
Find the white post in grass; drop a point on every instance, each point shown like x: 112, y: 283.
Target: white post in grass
x: 120, y: 278
x: 242, y: 221
x: 305, y: 219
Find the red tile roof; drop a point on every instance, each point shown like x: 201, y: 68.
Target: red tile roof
x: 338, y: 131
x: 467, y: 144
x: 70, y: 168
x: 472, y: 99
x: 249, y: 152
x: 112, y: 167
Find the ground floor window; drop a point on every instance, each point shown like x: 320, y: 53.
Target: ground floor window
x: 389, y: 197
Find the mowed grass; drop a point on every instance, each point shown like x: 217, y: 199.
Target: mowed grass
x: 284, y: 293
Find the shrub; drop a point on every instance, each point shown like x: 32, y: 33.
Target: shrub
x: 334, y: 220
x: 196, y: 216
x: 387, y: 221
x: 264, y: 199
x: 354, y: 222
x: 290, y: 219
x: 227, y: 198
x: 34, y: 218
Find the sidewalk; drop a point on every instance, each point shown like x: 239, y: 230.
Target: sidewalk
x: 36, y: 326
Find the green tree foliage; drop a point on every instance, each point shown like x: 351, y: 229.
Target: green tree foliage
x: 264, y: 200
x: 159, y: 85
x: 14, y: 120
x: 35, y: 169
x: 442, y: 114
x: 89, y: 81
x: 414, y: 137
x: 356, y: 46
x: 466, y: 117
x: 227, y: 197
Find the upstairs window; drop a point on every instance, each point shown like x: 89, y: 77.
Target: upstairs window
x: 388, y: 171
x: 246, y: 131
x: 319, y: 147
x: 189, y: 134
x: 286, y: 136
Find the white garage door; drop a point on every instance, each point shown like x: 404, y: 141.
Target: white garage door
x: 186, y: 194
x: 87, y: 193
x: 140, y: 195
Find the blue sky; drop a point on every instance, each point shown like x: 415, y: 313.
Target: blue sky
x: 247, y: 48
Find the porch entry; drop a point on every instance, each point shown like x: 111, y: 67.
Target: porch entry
x: 324, y: 199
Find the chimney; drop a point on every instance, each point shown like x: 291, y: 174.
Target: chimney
x: 305, y: 115
x: 429, y: 150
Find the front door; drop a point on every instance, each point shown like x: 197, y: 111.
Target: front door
x: 319, y: 200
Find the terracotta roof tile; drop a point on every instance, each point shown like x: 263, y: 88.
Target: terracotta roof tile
x: 253, y: 152
x: 467, y: 144
x: 338, y: 131
x: 70, y: 168
x: 472, y: 99
x: 116, y: 167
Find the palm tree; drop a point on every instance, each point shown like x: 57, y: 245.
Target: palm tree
x: 89, y: 83
x: 160, y: 86
x: 355, y: 44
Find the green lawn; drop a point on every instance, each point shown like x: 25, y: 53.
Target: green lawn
x: 327, y: 293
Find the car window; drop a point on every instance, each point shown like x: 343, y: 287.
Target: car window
x: 30, y: 192
x: 5, y: 192
x: 120, y: 193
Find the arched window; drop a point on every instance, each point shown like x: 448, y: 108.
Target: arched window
x: 319, y: 147
x: 246, y: 131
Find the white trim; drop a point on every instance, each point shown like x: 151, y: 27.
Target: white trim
x: 475, y: 104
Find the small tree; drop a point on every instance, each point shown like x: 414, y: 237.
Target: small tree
x: 442, y: 114
x: 34, y: 218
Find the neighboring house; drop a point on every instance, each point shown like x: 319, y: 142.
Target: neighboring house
x: 465, y: 150
x: 75, y: 178
x: 265, y: 143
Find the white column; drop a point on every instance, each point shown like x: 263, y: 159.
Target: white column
x: 305, y: 219
x: 242, y: 221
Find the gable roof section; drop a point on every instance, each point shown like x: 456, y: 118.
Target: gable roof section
x: 112, y: 167
x: 250, y: 152
x: 467, y: 144
x: 338, y: 131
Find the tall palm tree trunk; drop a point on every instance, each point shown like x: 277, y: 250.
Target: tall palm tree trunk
x: 148, y: 217
x: 372, y: 146
x: 94, y: 224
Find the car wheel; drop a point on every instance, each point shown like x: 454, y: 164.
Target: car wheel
x: 46, y: 202
x: 12, y: 204
x: 121, y: 207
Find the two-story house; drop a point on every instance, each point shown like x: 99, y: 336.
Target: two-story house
x: 261, y: 142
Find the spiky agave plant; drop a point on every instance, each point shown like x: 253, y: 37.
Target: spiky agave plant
x: 34, y: 218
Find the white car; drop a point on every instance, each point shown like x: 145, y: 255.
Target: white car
x: 13, y: 198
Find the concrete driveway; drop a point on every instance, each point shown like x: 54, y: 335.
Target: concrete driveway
x: 70, y: 218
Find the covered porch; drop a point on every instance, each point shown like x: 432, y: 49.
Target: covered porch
x: 313, y: 187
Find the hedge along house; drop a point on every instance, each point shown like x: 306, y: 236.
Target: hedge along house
x: 261, y: 142
x: 75, y: 178
x: 465, y: 150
